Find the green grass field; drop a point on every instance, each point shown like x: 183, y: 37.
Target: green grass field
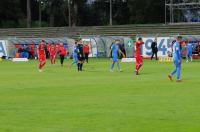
x: 63, y: 100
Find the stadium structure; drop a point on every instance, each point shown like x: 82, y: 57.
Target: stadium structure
x: 179, y: 11
x: 183, y: 12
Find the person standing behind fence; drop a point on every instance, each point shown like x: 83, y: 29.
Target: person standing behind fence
x: 86, y: 51
x: 62, y: 52
x: 154, y: 49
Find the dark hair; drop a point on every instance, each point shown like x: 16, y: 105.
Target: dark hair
x: 78, y: 39
x: 179, y: 37
x: 139, y: 39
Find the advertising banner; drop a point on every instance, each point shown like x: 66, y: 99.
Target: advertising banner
x: 163, y: 44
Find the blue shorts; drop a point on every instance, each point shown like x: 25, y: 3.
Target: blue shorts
x: 115, y: 58
x: 189, y: 53
x: 75, y: 58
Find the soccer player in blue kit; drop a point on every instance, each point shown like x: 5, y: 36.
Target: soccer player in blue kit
x: 189, y: 52
x: 114, y: 52
x: 177, y: 59
x: 75, y: 55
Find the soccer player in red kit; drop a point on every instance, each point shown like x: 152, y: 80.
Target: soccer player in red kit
x: 62, y: 52
x: 41, y: 56
x: 138, y: 57
x: 86, y: 50
x: 52, y: 52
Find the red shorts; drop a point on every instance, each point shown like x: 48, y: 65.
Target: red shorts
x: 52, y: 56
x: 42, y: 59
x: 139, y: 60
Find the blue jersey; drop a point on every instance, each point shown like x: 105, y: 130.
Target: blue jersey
x: 176, y: 51
x: 189, y: 47
x: 75, y: 51
x: 115, y: 49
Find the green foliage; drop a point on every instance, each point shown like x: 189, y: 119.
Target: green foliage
x: 55, y: 12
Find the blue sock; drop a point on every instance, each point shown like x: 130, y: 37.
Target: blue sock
x: 118, y: 65
x: 178, y: 73
x: 112, y: 66
x: 74, y: 62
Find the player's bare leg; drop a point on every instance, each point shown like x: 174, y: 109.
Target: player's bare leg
x: 41, y: 66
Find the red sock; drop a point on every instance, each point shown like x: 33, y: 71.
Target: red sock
x: 138, y: 66
x: 41, y: 65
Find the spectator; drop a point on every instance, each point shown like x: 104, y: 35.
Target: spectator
x: 86, y: 50
x: 154, y: 49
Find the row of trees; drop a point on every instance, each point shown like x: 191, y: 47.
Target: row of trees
x: 36, y: 13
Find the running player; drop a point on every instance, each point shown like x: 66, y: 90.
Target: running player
x: 138, y: 57
x: 115, y: 51
x: 41, y: 56
x: 52, y: 52
x: 177, y: 59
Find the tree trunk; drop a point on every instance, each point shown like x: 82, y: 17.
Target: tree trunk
x: 51, y: 20
x: 52, y: 12
x: 28, y: 13
x: 75, y: 14
x: 40, y: 14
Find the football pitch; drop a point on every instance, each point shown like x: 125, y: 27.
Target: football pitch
x: 95, y: 100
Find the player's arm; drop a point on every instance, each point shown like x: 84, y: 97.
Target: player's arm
x: 38, y: 53
x: 141, y: 43
x: 110, y: 51
x: 79, y: 52
x: 122, y: 53
x: 178, y: 53
x: 45, y: 54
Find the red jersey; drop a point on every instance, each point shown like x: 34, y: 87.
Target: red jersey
x: 62, y: 50
x: 52, y: 50
x: 86, y: 49
x: 138, y: 48
x: 48, y: 47
x: 41, y: 51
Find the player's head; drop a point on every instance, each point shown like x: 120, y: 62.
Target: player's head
x: 80, y: 41
x: 117, y: 41
x: 139, y: 39
x: 179, y: 39
x: 61, y: 44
